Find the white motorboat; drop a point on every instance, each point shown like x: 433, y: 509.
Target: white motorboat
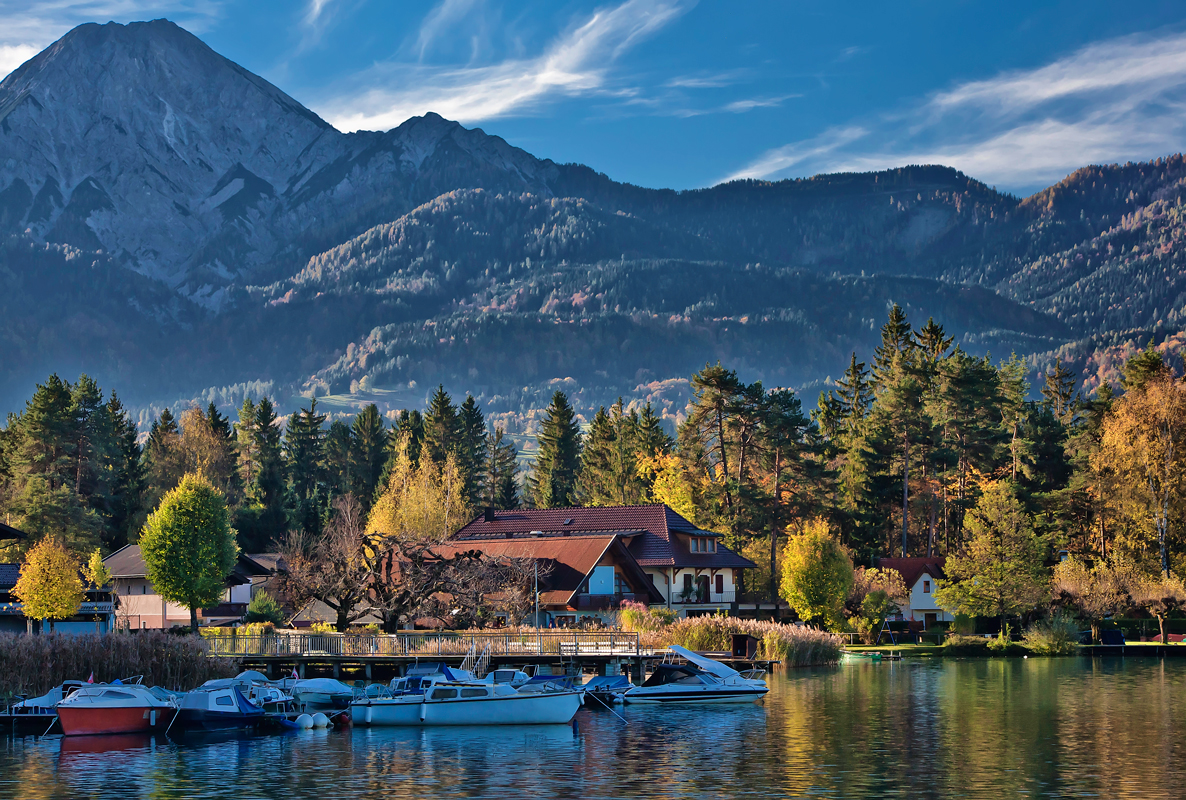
x: 319, y: 694
x: 45, y: 703
x: 697, y: 680
x: 444, y: 702
x: 256, y: 688
x: 218, y: 708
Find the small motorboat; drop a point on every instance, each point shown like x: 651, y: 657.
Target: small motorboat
x: 443, y: 702
x: 697, y: 680
x: 218, y: 708
x: 45, y: 704
x: 319, y: 694
x: 606, y: 690
x: 859, y: 656
x: 107, y: 708
x: 256, y: 688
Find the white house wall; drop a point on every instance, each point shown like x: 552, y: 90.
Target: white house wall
x: 922, y: 602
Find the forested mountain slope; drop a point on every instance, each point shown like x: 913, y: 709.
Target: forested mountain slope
x: 181, y: 228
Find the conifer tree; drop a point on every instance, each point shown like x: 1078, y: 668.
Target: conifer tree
x: 500, y: 488
x: 652, y: 439
x: 304, y: 445
x: 609, y: 459
x: 1142, y: 368
x: 554, y: 475
x: 338, y: 458
x: 471, y: 451
x: 1060, y: 385
x: 897, y: 339
x: 163, y: 461
x: 704, y: 434
x: 368, y: 454
x: 442, y: 427
x: 124, y: 510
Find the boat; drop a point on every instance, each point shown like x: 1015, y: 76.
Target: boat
x: 440, y: 701
x: 697, y: 679
x: 606, y: 690
x: 849, y: 655
x: 107, y: 708
x: 46, y: 703
x: 257, y: 689
x: 218, y: 708
x: 319, y: 694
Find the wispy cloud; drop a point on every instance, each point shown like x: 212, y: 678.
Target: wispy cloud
x: 577, y: 62
x: 1114, y: 100
x: 29, y: 26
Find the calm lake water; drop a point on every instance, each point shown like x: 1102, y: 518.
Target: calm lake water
x: 995, y: 728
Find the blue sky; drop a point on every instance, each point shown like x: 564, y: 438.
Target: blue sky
x: 682, y: 94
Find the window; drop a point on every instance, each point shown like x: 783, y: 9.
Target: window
x: 926, y: 587
x: 144, y: 588
x: 224, y: 700
x: 720, y: 584
x: 444, y: 694
x: 687, y: 583
x: 620, y: 585
x: 118, y: 696
x: 702, y: 545
x: 473, y: 692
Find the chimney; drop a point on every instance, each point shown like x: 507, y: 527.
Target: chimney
x: 488, y: 514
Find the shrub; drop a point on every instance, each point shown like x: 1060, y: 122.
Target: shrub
x: 640, y: 618
x: 962, y: 645
x: 321, y: 627
x: 32, y: 665
x: 793, y: 645
x: 964, y: 625
x: 1054, y: 636
x: 264, y: 608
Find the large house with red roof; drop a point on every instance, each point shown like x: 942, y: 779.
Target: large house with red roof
x: 599, y: 557
x: 920, y: 576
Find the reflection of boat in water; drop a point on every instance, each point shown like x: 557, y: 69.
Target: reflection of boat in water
x: 698, y: 680
x: 111, y: 743
x: 439, y: 701
x: 213, y: 708
x: 107, y: 708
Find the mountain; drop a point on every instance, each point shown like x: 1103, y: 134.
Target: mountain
x: 184, y: 230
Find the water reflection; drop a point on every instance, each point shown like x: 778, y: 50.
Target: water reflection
x: 973, y: 728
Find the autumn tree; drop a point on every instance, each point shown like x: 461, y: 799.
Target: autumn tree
x: 817, y: 574
x: 189, y: 547
x: 999, y: 571
x: 1095, y: 592
x: 49, y: 586
x: 331, y: 567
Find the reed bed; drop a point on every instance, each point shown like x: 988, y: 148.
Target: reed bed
x: 32, y: 665
x: 793, y: 645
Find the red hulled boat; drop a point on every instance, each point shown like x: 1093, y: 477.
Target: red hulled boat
x: 107, y: 708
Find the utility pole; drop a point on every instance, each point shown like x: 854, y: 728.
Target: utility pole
x: 537, y: 594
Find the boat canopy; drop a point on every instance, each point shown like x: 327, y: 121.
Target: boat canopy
x: 707, y: 664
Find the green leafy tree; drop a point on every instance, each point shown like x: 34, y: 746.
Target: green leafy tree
x: 49, y: 586
x: 817, y: 574
x: 553, y: 479
x: 96, y: 571
x: 999, y: 573
x: 189, y: 546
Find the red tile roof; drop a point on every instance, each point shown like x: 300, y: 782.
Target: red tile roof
x: 651, y: 528
x: 913, y: 568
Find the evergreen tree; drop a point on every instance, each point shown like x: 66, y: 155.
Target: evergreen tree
x: 854, y: 395
x: 500, y: 486
x: 247, y: 443
x: 1142, y: 368
x: 609, y: 466
x: 442, y: 427
x: 163, y: 462
x: 1059, y: 388
x: 554, y: 475
x: 125, y: 513
x: 704, y: 434
x: 368, y: 454
x: 897, y: 340
x: 304, y: 444
x: 652, y: 439
x: 407, y: 440
x: 471, y: 452
x: 339, y: 474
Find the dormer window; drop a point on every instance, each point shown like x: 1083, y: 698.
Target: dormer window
x: 702, y: 544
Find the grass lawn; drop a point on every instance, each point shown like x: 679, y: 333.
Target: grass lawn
x: 900, y: 649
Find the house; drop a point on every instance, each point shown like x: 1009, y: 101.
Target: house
x: 602, y: 556
x: 139, y: 606
x: 95, y: 614
x: 920, y: 576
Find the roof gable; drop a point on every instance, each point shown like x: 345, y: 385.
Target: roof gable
x: 912, y: 569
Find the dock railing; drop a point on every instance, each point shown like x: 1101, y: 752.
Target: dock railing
x: 425, y: 644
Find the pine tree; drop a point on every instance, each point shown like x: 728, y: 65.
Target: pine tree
x: 557, y: 465
x: 125, y: 514
x: 163, y: 462
x: 1142, y: 368
x: 304, y: 445
x: 500, y: 488
x: 339, y: 474
x: 704, y: 434
x: 652, y: 439
x: 442, y: 427
x: 368, y: 454
x: 1059, y: 388
x: 854, y: 394
x: 246, y: 441
x: 471, y: 453
x: 897, y: 339
x: 609, y: 459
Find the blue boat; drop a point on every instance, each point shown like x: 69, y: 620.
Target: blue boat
x: 218, y: 708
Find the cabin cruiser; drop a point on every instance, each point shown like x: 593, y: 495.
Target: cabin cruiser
x: 256, y: 688
x: 218, y: 708
x: 103, y: 708
x: 697, y: 680
x: 606, y: 690
x: 437, y: 700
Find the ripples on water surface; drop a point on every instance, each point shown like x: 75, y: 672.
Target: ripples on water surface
x: 921, y: 729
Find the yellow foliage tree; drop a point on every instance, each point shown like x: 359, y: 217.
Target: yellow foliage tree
x: 1144, y: 444
x: 817, y: 574
x: 49, y: 586
x: 96, y: 571
x: 425, y: 502
x: 671, y: 483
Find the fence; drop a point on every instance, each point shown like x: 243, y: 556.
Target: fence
x: 422, y: 644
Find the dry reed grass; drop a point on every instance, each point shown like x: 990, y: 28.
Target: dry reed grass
x: 793, y: 645
x: 32, y: 665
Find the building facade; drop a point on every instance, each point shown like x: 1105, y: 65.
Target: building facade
x: 602, y: 556
x: 920, y: 576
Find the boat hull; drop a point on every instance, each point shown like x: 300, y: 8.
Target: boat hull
x: 550, y: 708
x: 100, y: 720
x: 693, y: 695
x: 200, y: 720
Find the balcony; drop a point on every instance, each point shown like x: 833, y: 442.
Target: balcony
x: 600, y: 602
x: 702, y: 597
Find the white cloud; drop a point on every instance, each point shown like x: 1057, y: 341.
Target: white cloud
x: 1116, y: 100
x: 13, y: 55
x: 577, y: 62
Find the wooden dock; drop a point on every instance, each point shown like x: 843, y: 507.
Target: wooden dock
x: 382, y: 656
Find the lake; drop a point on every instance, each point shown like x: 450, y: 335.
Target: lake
x: 993, y: 728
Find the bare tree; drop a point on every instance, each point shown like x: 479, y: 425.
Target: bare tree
x: 408, y: 573
x: 333, y: 567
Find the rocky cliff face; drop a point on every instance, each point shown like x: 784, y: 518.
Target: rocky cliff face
x: 143, y: 142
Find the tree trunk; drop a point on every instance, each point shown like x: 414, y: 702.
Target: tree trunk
x: 905, y: 489
x: 1161, y: 627
x: 343, y: 621
x: 1095, y: 631
x: 774, y: 526
x: 193, y: 621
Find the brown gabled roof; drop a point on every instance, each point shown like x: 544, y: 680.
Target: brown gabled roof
x: 651, y: 530
x: 127, y: 562
x: 914, y: 568
x: 572, y: 558
x: 9, y: 532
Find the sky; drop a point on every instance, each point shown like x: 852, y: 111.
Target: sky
x: 686, y: 94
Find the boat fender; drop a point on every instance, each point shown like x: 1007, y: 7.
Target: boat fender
x: 366, y: 716
x: 304, y: 722
x: 320, y: 720
x: 152, y: 718
x: 423, y: 711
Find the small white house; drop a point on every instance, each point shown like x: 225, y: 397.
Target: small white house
x: 920, y: 576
